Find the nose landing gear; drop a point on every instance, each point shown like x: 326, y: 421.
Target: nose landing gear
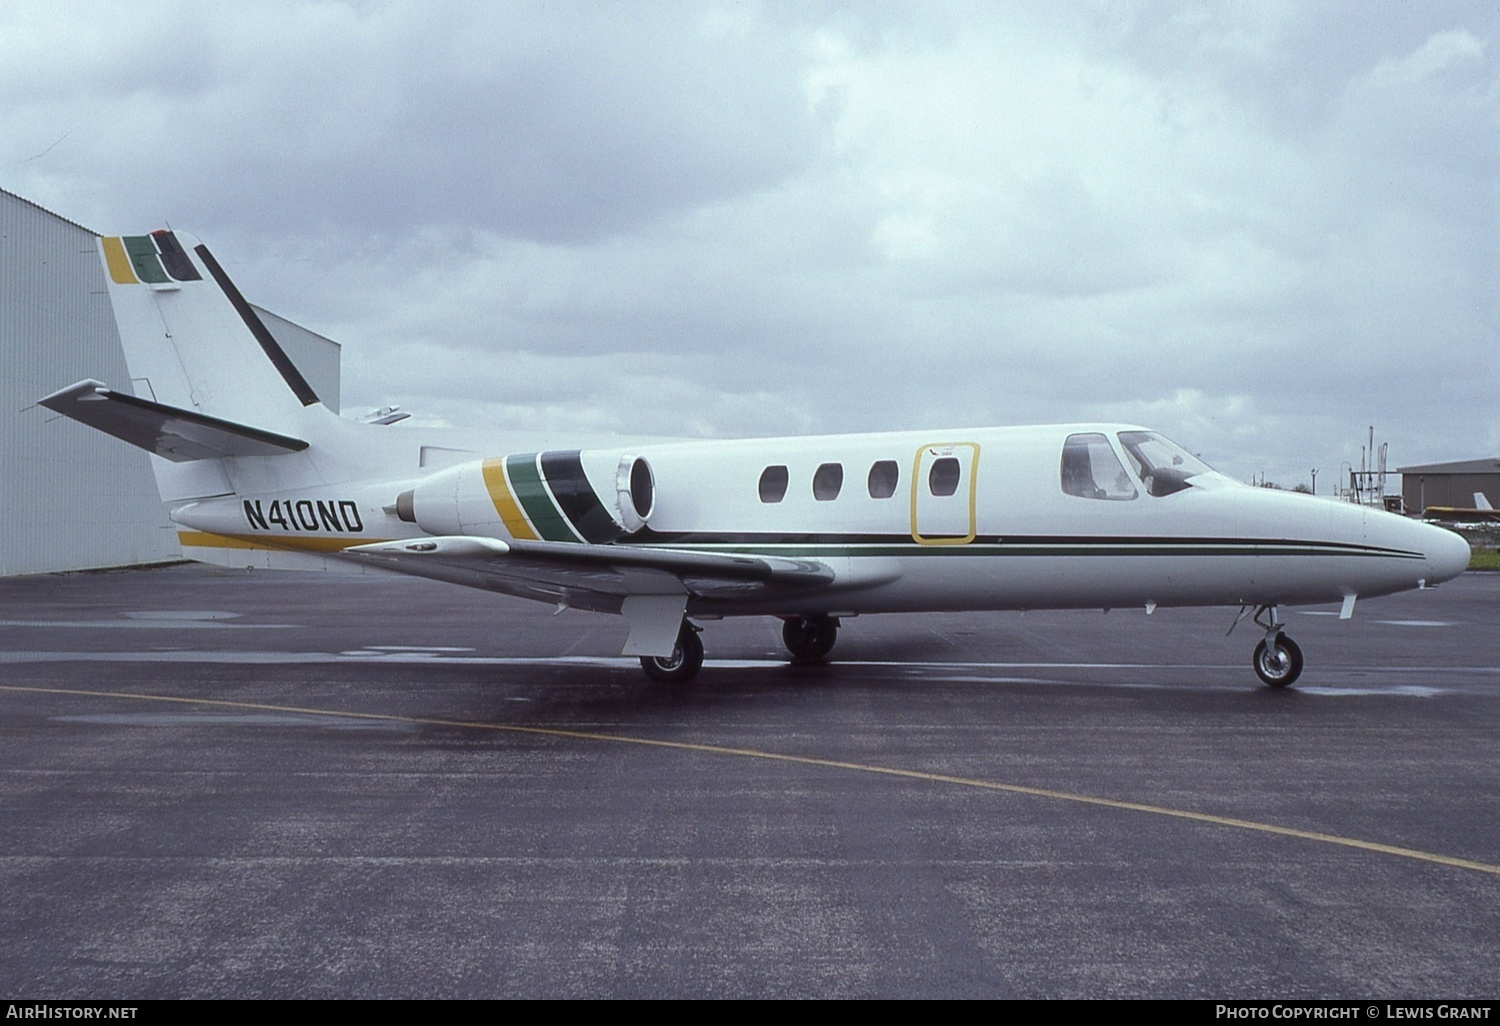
x: 1277, y: 659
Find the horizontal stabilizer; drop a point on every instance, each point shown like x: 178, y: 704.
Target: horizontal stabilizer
x: 171, y: 433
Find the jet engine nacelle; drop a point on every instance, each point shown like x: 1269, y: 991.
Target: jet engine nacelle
x: 567, y: 496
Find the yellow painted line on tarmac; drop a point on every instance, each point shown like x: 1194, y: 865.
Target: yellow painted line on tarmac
x: 809, y: 760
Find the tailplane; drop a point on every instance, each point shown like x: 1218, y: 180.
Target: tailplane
x: 166, y: 431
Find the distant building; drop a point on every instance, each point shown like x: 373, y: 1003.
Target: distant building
x: 1450, y: 484
x: 72, y: 498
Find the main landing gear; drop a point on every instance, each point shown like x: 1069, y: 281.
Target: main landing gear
x: 810, y: 638
x: 684, y: 662
x: 1277, y: 659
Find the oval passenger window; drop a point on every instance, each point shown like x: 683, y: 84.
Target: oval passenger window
x: 773, y: 484
x: 942, y: 479
x: 883, y: 479
x: 827, y: 481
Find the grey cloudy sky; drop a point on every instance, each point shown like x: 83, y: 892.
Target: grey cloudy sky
x: 1258, y: 227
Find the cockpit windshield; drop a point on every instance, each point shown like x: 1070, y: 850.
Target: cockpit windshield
x: 1162, y: 465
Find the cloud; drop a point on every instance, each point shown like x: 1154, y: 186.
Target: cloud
x: 1263, y: 227
x: 1441, y: 52
x: 566, y: 123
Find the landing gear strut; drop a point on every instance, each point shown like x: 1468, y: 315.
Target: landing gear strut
x: 684, y: 662
x: 810, y: 638
x: 1277, y: 659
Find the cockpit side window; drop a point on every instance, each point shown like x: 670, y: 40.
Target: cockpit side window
x: 1162, y: 465
x: 1091, y: 470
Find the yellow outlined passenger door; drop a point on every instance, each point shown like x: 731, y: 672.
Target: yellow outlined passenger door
x: 943, y: 493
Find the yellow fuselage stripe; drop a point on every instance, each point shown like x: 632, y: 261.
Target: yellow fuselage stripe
x: 505, y: 502
x: 207, y: 540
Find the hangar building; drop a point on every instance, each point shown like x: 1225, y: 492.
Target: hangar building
x: 72, y: 498
x: 1450, y: 484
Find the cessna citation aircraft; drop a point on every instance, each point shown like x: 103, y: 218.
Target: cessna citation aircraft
x: 256, y: 471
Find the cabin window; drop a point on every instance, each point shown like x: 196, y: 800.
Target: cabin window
x: 884, y: 477
x: 773, y: 484
x: 942, y: 479
x: 1091, y: 470
x: 827, y: 481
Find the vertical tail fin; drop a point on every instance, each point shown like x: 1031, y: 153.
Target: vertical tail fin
x: 192, y: 341
x: 195, y: 347
x: 242, y: 440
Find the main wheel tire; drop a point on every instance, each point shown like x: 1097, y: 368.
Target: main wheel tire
x: 682, y: 665
x: 1279, y: 666
x: 810, y: 638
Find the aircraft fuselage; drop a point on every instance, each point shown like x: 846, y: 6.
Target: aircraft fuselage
x: 1000, y: 533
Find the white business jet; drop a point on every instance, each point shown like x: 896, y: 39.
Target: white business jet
x: 256, y: 471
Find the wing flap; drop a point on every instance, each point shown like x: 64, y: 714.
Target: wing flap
x: 171, y: 433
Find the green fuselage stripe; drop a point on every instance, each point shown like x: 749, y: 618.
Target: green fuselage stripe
x: 1041, y: 547
x: 526, y: 481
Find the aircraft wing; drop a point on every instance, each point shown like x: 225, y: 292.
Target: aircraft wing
x: 650, y: 586
x: 175, y: 434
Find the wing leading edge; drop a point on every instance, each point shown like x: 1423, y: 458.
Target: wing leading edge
x: 651, y: 587
x: 605, y: 571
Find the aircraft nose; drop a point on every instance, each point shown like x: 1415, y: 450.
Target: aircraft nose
x: 1447, y: 554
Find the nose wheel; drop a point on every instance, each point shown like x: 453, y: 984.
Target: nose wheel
x: 1277, y: 659
x: 684, y: 662
x: 1278, y: 662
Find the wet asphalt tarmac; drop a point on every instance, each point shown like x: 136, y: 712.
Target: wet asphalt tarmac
x: 215, y: 783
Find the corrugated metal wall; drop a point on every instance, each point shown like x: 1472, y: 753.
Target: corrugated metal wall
x: 72, y: 498
x: 1437, y: 489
